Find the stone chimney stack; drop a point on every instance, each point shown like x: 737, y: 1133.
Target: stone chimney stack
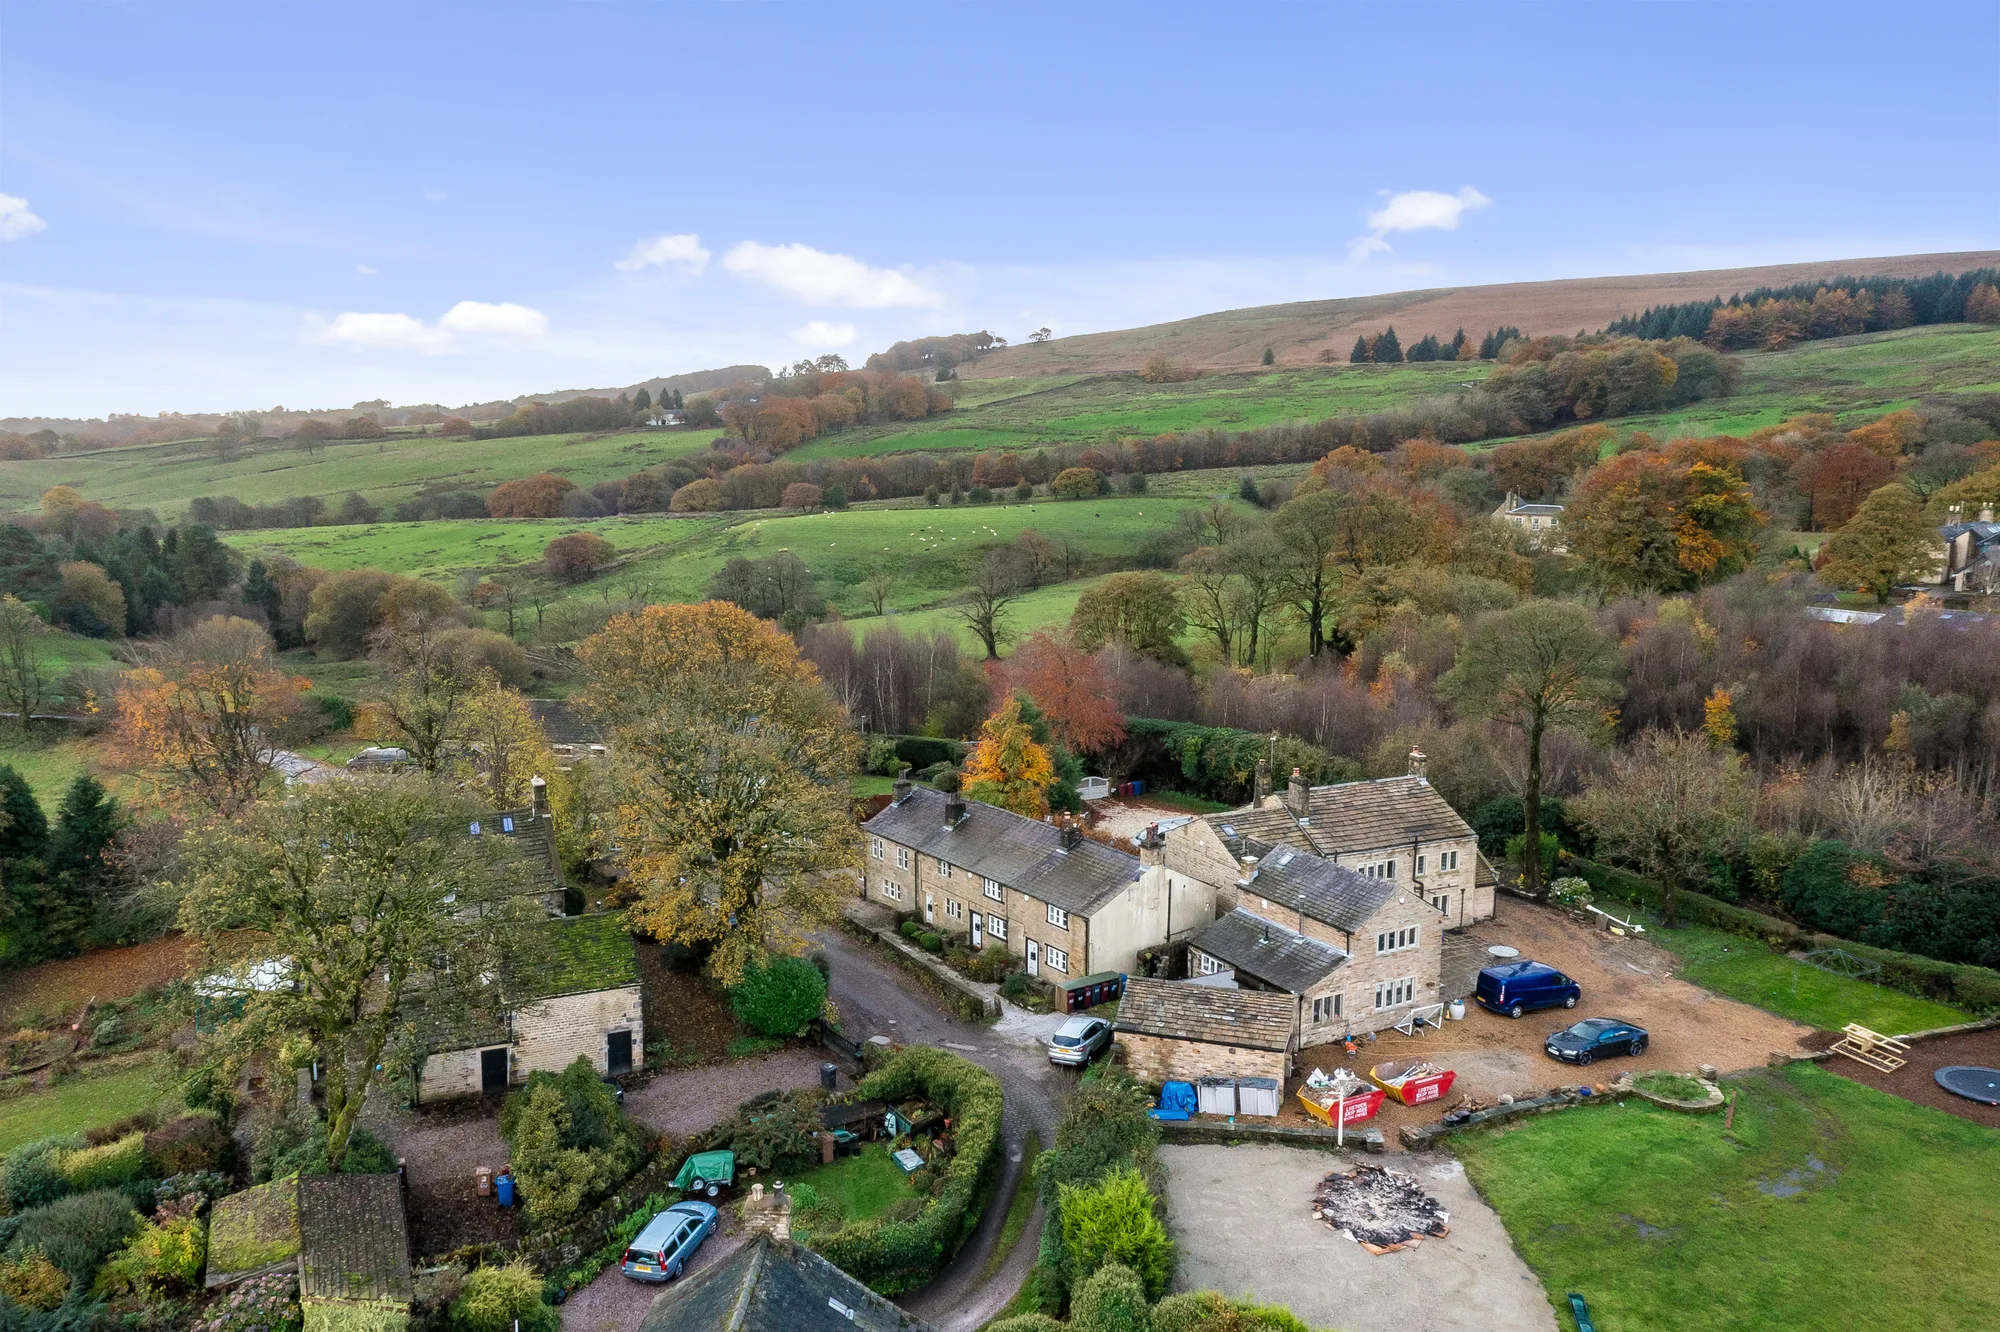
x: 1152, y: 846
x: 1418, y: 761
x: 954, y: 809
x: 1955, y: 514
x: 1260, y: 784
x: 1986, y: 514
x: 1071, y: 836
x: 539, y: 797
x: 899, y: 790
x: 1299, y: 795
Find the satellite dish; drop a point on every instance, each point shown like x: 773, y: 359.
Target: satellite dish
x: 1502, y: 950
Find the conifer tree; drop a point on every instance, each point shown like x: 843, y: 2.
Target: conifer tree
x: 1388, y: 349
x: 1359, y: 356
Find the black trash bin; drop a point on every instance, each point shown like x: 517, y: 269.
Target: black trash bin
x: 827, y: 1073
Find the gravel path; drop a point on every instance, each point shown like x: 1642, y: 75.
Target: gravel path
x: 615, y: 1303
x: 442, y: 1148
x: 686, y: 1101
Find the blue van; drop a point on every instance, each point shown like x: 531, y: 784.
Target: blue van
x: 662, y: 1249
x: 1515, y: 988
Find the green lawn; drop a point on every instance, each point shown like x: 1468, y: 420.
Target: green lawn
x: 1829, y: 1205
x: 49, y: 768
x: 1746, y: 969
x: 445, y: 548
x: 864, y: 1184
x: 82, y: 1103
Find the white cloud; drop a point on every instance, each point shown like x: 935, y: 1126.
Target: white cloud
x: 15, y: 219
x: 683, y: 250
x: 365, y: 271
x: 819, y: 333
x: 818, y: 278
x: 1415, y: 210
x: 506, y: 319
x: 401, y: 332
x: 436, y: 196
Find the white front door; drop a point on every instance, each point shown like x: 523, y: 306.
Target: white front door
x: 1034, y: 958
x: 930, y: 909
x: 978, y: 928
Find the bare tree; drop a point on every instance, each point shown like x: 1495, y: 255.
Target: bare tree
x: 983, y: 606
x: 1671, y: 801
x: 876, y: 587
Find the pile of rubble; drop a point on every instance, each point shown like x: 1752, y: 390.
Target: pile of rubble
x: 1382, y: 1210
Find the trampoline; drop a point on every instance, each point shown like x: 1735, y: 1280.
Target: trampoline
x: 1972, y: 1082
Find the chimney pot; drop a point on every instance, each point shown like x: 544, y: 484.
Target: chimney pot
x: 539, y: 796
x: 899, y: 790
x: 1418, y: 761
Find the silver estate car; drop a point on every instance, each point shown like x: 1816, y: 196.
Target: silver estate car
x: 1078, y: 1040
x: 662, y: 1249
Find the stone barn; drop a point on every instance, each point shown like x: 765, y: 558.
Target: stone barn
x: 1177, y: 1030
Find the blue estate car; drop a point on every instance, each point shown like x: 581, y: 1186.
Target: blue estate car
x: 663, y: 1248
x: 1592, y: 1037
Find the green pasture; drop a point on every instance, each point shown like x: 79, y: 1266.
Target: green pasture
x: 84, y: 1103
x: 1826, y: 1204
x: 164, y: 477
x: 1746, y: 969
x: 445, y: 548
x: 48, y: 766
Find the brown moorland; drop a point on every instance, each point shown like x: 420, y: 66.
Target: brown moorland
x: 1298, y: 331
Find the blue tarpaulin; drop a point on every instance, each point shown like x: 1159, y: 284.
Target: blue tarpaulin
x: 1177, y: 1101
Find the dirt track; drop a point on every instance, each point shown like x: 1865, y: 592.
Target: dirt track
x: 1914, y: 1081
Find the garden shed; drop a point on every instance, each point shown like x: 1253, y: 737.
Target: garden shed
x: 1172, y: 1030
x: 253, y: 1232
x: 354, y: 1254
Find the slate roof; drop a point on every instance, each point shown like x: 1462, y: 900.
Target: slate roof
x: 353, y: 1243
x: 1015, y: 850
x: 774, y: 1285
x: 1302, y: 882
x: 534, y: 838
x: 575, y: 955
x: 1271, y: 953
x: 1351, y: 817
x: 1536, y: 510
x: 562, y: 724
x: 1176, y: 1010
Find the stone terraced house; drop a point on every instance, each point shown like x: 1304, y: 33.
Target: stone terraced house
x: 1065, y: 905
x: 1339, y: 896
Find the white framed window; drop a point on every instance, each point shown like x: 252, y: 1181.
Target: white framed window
x: 1058, y: 917
x: 1382, y: 869
x: 880, y: 852
x: 892, y: 890
x: 1205, y: 965
x: 1395, y: 993
x: 1055, y: 959
x: 996, y: 927
x: 954, y: 908
x: 902, y: 857
x: 1420, y: 862
x: 1395, y: 941
x: 994, y: 891
x: 943, y: 868
x: 1326, y: 1009
x: 1443, y: 903
x: 1447, y: 860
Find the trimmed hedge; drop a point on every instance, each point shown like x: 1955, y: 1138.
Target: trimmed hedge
x: 897, y: 1256
x: 105, y: 1167
x: 1219, y: 762
x: 923, y: 751
x: 1975, y: 989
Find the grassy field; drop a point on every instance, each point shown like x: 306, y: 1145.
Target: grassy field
x: 49, y: 767
x: 448, y: 547
x: 1747, y: 970
x: 1020, y: 413
x: 83, y: 1103
x: 1829, y: 1204
x: 164, y: 477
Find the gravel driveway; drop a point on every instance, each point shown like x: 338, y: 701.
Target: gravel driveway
x: 687, y: 1100
x: 615, y: 1303
x: 1242, y: 1219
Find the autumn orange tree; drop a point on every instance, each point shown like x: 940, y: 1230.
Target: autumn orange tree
x: 1008, y: 768
x: 1664, y: 520
x: 209, y: 713
x: 733, y: 765
x: 1071, y: 688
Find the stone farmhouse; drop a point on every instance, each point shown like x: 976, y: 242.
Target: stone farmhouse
x: 1542, y: 522
x: 1339, y: 896
x: 573, y: 992
x: 1065, y: 905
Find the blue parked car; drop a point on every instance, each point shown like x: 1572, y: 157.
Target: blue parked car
x: 1520, y: 987
x: 663, y: 1248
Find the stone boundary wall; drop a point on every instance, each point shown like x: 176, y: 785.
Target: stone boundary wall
x: 1939, y: 1033
x: 967, y: 998
x: 1218, y: 1133
x: 1419, y: 1137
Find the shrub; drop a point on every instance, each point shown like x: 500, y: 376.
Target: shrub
x: 33, y: 1282
x: 163, y: 1259
x: 192, y: 1144
x: 205, y: 1184
x: 295, y: 1144
x: 576, y: 556
x: 1115, y: 1221
x: 910, y: 929
x: 1029, y: 1322
x: 266, y: 1304
x: 882, y: 759
x: 779, y: 996
x: 77, y: 1232
x: 781, y: 1133
x: 700, y: 496
x: 492, y: 1298
x: 932, y: 941
x: 1208, y: 1311
x: 1570, y: 891
x: 1074, y: 483
x: 1113, y: 1300
x: 31, y: 1175
x: 143, y: 1122
x: 105, y: 1167
x: 569, y: 1142
x: 1016, y: 985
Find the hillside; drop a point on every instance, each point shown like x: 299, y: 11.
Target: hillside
x: 1297, y: 332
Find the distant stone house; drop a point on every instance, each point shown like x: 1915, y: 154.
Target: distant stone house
x: 1175, y: 1030
x: 1971, y: 553
x: 1065, y: 905
x: 1542, y: 522
x: 569, y: 735
x: 575, y: 993
x: 1338, y: 896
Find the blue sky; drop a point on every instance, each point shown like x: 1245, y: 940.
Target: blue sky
x: 213, y: 207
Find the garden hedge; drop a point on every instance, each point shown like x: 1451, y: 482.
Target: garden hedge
x: 1219, y: 762
x: 923, y: 751
x: 897, y: 1256
x: 1975, y: 989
